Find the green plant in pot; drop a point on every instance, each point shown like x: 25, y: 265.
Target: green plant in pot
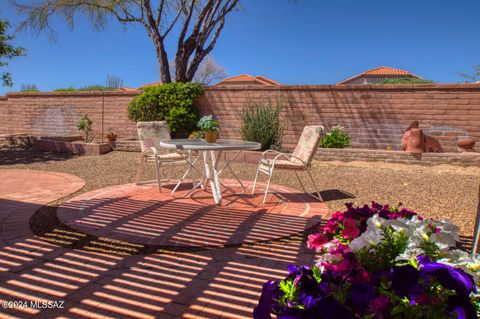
x: 210, y: 127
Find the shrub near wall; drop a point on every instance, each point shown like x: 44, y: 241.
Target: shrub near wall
x: 172, y: 102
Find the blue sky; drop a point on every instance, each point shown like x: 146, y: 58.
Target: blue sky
x: 293, y: 42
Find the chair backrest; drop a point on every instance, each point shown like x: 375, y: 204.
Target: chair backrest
x: 151, y: 133
x: 308, y: 143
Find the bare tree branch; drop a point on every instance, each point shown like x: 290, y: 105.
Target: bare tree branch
x: 201, y: 24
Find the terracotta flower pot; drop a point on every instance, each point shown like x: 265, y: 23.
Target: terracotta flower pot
x: 466, y: 145
x: 211, y: 136
x: 111, y: 137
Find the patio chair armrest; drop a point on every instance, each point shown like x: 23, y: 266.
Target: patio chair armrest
x: 265, y: 153
x: 288, y: 157
x: 154, y: 151
x: 147, y: 152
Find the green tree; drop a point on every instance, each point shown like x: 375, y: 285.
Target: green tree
x: 198, y: 24
x: 406, y: 80
x: 472, y: 77
x: 7, y: 51
x: 171, y: 102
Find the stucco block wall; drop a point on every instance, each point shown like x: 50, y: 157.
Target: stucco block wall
x: 56, y: 114
x: 375, y: 116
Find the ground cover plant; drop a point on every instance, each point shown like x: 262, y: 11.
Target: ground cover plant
x: 378, y: 262
x: 336, y: 138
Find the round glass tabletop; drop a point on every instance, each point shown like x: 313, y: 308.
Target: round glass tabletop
x: 219, y: 145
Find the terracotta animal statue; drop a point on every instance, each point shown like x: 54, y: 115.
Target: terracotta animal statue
x: 415, y: 141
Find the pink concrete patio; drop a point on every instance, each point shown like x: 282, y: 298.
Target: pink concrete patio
x: 142, y: 215
x: 217, y: 282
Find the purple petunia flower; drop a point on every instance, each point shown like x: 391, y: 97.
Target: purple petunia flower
x: 405, y: 281
x: 461, y: 307
x: 450, y: 277
x: 267, y: 300
x: 360, y: 297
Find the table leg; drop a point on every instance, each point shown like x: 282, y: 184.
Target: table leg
x: 211, y: 173
x: 191, y: 168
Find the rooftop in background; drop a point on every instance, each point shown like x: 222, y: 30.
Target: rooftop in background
x: 150, y: 84
x: 377, y: 75
x: 247, y: 79
x: 127, y: 89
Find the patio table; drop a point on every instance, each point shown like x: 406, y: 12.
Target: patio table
x: 211, y: 155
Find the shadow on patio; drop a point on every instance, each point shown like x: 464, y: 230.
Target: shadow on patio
x: 105, y: 280
x: 26, y: 155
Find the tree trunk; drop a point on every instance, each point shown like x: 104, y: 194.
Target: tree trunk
x: 162, y: 60
x: 181, y: 66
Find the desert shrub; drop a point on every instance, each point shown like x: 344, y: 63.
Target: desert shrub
x: 261, y: 122
x: 29, y: 88
x: 113, y: 81
x: 407, y: 80
x: 172, y: 102
x: 336, y: 138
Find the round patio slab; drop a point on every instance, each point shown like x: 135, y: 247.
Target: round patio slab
x: 141, y: 214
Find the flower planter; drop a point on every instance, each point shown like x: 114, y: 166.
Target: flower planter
x: 76, y: 147
x: 211, y: 136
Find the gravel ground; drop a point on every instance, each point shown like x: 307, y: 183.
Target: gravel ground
x: 439, y: 192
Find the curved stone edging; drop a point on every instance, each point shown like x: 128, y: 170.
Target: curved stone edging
x: 22, y: 192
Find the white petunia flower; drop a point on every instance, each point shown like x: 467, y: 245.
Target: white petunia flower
x: 443, y: 240
x: 370, y: 237
x: 410, y: 254
x: 375, y: 222
x: 329, y: 258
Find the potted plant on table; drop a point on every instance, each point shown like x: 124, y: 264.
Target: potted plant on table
x: 210, y: 127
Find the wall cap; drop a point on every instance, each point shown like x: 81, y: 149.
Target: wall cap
x: 68, y: 94
x: 359, y: 87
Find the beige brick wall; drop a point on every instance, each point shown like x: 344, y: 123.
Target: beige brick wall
x: 375, y: 116
x: 57, y: 113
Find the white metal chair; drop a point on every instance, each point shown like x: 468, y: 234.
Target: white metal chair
x: 150, y: 134
x: 299, y: 160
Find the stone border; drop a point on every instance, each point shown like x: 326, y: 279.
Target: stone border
x: 75, y: 147
x: 429, y: 159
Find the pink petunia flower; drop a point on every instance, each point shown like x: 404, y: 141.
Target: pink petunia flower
x: 351, y: 230
x: 316, y: 241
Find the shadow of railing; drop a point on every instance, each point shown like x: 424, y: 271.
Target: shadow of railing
x: 100, y: 277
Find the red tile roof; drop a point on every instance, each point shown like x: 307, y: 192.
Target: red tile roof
x: 380, y: 71
x: 127, y: 89
x: 259, y: 79
x: 151, y: 84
